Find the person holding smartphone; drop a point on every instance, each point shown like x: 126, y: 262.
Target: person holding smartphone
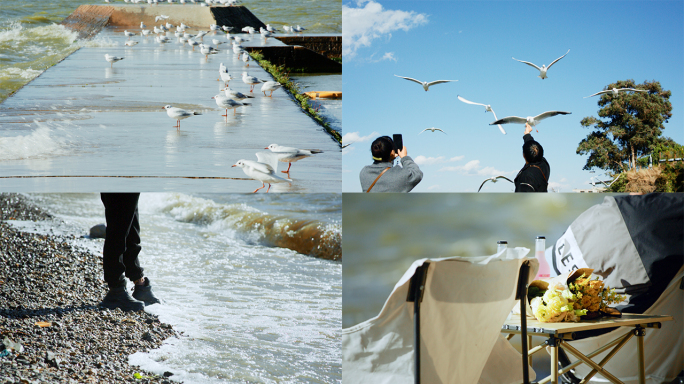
x: 382, y: 176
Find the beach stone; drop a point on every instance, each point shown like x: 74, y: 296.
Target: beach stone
x: 51, y: 360
x: 147, y: 336
x: 98, y: 231
x: 80, y: 344
x: 168, y: 374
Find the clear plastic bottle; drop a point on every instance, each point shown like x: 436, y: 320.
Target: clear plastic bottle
x: 501, y: 245
x: 539, y: 250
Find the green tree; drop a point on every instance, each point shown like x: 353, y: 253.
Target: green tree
x: 632, y: 124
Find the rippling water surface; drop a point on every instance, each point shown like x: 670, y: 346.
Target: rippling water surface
x: 251, y: 307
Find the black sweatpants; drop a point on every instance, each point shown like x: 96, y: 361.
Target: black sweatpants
x: 122, y: 241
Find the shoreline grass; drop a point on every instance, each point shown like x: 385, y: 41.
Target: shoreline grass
x: 280, y: 75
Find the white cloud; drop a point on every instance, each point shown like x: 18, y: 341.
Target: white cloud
x: 422, y: 160
x: 433, y: 187
x: 363, y: 24
x: 348, y: 150
x: 555, y: 186
x: 473, y: 168
x: 353, y: 137
x: 389, y: 56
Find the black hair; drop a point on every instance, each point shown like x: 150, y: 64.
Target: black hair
x: 533, y: 151
x: 382, y: 148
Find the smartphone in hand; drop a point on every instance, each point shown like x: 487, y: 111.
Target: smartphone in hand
x: 398, y: 142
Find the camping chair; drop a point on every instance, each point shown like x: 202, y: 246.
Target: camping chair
x: 464, y: 302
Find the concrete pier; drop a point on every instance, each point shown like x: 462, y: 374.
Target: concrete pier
x: 88, y: 20
x: 85, y: 117
x: 301, y: 53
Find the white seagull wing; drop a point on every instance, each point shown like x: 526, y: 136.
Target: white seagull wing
x: 510, y: 120
x: 439, y: 82
x: 483, y: 183
x: 268, y: 158
x: 599, y: 93
x: 470, y: 102
x: 528, y: 63
x: 544, y: 115
x: 499, y: 125
x: 554, y: 62
x: 411, y: 79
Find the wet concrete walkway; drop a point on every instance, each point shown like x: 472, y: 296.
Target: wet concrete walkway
x: 82, y: 117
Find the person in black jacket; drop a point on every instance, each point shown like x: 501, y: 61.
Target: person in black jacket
x: 534, y: 176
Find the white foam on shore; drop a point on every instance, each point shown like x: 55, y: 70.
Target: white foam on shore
x: 38, y: 143
x: 16, y: 72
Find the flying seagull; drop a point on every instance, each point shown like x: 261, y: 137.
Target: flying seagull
x: 615, y: 91
x: 531, y: 120
x: 494, y: 180
x: 488, y: 108
x: 432, y: 130
x: 425, y: 84
x: 544, y: 68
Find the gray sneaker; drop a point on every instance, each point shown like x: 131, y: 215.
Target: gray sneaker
x: 144, y: 293
x: 120, y: 298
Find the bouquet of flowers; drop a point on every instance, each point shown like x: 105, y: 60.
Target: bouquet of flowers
x: 571, y: 297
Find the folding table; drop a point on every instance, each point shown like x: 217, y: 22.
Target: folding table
x: 558, y: 333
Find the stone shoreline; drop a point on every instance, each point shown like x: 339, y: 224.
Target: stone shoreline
x: 51, y: 329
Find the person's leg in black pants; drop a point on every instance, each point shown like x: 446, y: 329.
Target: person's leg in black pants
x: 120, y: 253
x: 122, y: 241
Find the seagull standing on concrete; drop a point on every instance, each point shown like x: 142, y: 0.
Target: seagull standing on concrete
x: 494, y: 180
x: 531, y: 120
x: 270, y: 86
x: 425, y: 84
x: 131, y: 43
x: 251, y: 80
x: 224, y: 102
x: 544, y: 68
x: 129, y: 34
x: 235, y: 95
x: 207, y: 50
x: 261, y: 171
x: 112, y: 59
x: 178, y: 114
x: 290, y: 154
x: 432, y: 130
x: 615, y: 91
x: 488, y: 108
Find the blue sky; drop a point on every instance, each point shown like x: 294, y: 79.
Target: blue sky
x: 474, y: 42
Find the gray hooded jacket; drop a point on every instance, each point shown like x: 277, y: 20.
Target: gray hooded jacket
x: 396, y: 179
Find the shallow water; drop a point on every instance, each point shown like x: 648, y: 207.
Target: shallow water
x: 250, y: 312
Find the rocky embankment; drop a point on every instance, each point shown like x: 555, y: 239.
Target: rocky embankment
x: 51, y: 329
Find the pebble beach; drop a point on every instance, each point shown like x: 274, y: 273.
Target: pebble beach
x: 51, y: 329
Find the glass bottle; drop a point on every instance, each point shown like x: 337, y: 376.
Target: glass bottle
x: 539, y: 250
